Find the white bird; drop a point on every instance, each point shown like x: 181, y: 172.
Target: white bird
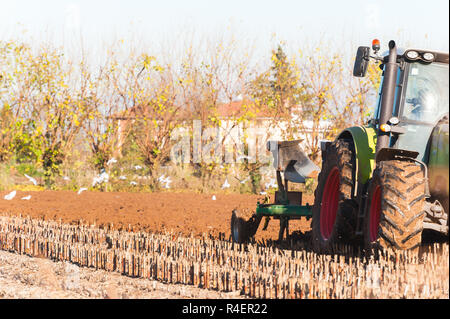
x: 165, y: 180
x: 214, y: 197
x: 245, y: 180
x: 27, y: 197
x: 31, y: 179
x: 168, y: 181
x: 133, y: 183
x: 102, y: 178
x: 10, y: 195
x: 271, y: 184
x: 95, y: 181
x: 240, y: 157
x: 111, y: 161
x: 226, y: 184
x: 294, y: 117
x: 82, y: 189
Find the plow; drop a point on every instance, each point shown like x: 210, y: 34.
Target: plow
x: 381, y: 184
x: 292, y: 166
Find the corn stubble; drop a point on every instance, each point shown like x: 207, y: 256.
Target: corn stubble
x: 256, y: 270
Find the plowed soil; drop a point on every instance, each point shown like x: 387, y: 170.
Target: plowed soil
x: 183, y: 213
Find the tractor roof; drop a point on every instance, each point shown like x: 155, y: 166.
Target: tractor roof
x: 441, y: 57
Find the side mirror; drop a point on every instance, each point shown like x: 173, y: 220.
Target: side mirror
x: 361, y: 61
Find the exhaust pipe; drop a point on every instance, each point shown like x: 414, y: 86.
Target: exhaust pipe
x: 388, y: 95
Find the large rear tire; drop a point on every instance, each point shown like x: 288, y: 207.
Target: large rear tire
x: 334, y: 209
x: 394, y: 209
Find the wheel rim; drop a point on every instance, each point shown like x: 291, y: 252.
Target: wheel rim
x: 330, y: 202
x: 375, y: 213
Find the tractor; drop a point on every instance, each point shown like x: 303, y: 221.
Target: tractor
x: 382, y: 183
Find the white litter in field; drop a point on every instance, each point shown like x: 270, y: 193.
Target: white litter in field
x: 66, y: 178
x: 82, y: 189
x: 262, y: 193
x: 111, y: 161
x: 31, y: 179
x: 138, y: 167
x: 26, y: 197
x: 226, y: 184
x: 133, y: 183
x: 122, y: 177
x: 10, y: 195
x: 214, y: 197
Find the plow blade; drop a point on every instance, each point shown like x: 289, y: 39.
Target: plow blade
x: 290, y: 159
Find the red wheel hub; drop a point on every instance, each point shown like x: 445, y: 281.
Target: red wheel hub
x: 330, y: 202
x: 375, y: 213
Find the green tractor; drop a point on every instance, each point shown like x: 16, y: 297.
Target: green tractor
x: 387, y: 181
x: 383, y: 182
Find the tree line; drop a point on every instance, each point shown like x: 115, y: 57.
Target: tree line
x: 51, y: 107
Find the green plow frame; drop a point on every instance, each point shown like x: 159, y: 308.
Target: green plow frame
x: 277, y: 210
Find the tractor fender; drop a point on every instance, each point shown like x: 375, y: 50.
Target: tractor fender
x: 365, y: 140
x: 438, y: 160
x: 387, y: 154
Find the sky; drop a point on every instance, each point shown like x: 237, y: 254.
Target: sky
x: 422, y: 24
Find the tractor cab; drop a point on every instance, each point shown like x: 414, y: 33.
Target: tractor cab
x: 421, y: 99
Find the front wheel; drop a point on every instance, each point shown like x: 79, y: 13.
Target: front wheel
x: 394, y: 209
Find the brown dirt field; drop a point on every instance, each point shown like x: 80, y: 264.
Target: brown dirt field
x: 183, y: 213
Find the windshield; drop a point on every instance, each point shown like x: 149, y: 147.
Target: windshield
x: 426, y: 98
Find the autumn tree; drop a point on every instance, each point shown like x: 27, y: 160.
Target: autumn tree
x: 11, y: 123
x: 361, y: 95
x: 48, y: 100
x: 107, y: 125
x: 321, y: 73
x: 280, y: 92
x: 154, y: 114
x: 209, y: 81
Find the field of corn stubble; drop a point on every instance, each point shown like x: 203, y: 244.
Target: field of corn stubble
x: 261, y: 269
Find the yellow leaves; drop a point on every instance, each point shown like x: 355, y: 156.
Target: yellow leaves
x: 147, y: 61
x: 75, y: 120
x: 158, y: 68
